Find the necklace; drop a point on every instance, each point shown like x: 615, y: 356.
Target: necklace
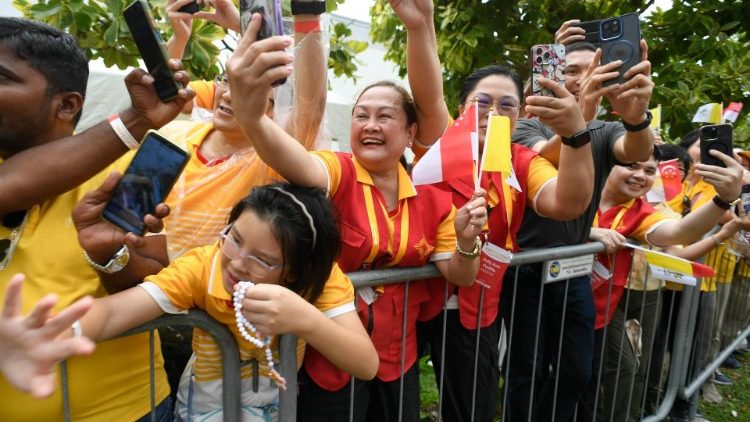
x: 261, y: 343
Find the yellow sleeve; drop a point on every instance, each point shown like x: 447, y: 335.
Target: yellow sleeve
x: 707, y: 193
x: 333, y: 168
x: 204, y: 93
x: 541, y: 172
x: 446, y: 235
x: 649, y: 224
x: 337, y: 292
x: 182, y: 278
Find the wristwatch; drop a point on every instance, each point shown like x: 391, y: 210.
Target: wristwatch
x: 578, y: 139
x: 309, y: 7
x: 724, y: 204
x: 470, y: 254
x: 639, y: 127
x: 118, y: 261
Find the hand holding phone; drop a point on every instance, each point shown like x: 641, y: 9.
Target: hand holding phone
x: 548, y: 61
x: 718, y: 137
x: 271, y: 24
x: 145, y: 183
x: 152, y: 48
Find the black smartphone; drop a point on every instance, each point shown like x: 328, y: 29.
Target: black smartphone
x: 152, y: 48
x: 620, y: 39
x: 272, y: 24
x: 191, y: 8
x: 718, y: 137
x: 146, y: 182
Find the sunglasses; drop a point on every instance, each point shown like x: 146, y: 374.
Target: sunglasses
x: 14, y: 223
x: 505, y: 106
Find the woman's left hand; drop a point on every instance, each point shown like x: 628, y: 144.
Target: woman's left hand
x: 471, y: 219
x: 274, y: 309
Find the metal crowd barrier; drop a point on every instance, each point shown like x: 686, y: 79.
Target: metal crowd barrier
x: 683, y: 380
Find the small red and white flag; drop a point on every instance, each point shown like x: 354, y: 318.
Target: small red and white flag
x: 732, y: 112
x: 453, y: 155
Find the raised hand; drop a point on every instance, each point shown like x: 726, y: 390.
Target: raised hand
x: 225, y: 14
x: 630, y: 100
x: 147, y: 106
x: 726, y: 180
x: 413, y: 13
x: 561, y: 112
x: 253, y: 68
x: 591, y: 90
x: 568, y: 34
x: 30, y: 347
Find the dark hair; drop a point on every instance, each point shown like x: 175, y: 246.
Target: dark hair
x: 307, y: 267
x: 51, y: 52
x: 690, y: 138
x: 580, y: 46
x: 407, y: 102
x: 471, y: 81
x: 672, y: 151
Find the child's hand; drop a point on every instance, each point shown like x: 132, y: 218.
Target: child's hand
x: 274, y: 309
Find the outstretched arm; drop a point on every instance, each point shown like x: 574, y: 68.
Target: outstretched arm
x: 694, y: 225
x: 252, y: 69
x: 30, y: 347
x: 310, y: 82
x: 45, y: 171
x: 112, y: 315
x: 569, y: 195
x: 423, y: 67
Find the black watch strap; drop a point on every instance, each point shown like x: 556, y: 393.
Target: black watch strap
x: 308, y: 7
x: 578, y: 139
x: 639, y: 127
x: 721, y: 203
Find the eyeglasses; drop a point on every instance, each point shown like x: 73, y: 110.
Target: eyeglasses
x: 254, y: 265
x: 221, y: 81
x: 505, y: 105
x: 14, y: 222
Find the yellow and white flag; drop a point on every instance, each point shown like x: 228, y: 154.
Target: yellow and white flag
x: 669, y: 267
x: 656, y: 117
x: 709, y: 113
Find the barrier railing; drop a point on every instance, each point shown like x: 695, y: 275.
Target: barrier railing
x: 682, y: 382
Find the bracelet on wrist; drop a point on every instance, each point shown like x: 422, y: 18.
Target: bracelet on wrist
x: 640, y: 126
x: 470, y: 254
x: 721, y: 203
x: 306, y: 27
x: 314, y: 7
x: 122, y: 131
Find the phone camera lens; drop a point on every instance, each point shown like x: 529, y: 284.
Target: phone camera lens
x: 606, y: 26
x: 539, y: 51
x: 538, y: 59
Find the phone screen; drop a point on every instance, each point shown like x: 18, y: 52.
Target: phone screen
x: 145, y: 183
x: 151, y: 47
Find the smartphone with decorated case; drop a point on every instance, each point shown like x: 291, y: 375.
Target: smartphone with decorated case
x: 548, y: 61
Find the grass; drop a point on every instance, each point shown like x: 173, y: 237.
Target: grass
x: 736, y: 397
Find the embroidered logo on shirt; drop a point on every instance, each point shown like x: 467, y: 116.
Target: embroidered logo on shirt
x: 424, y: 249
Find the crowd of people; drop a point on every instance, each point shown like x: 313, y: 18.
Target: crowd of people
x: 261, y: 227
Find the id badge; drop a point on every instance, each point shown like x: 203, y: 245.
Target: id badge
x: 600, y: 275
x: 493, y: 261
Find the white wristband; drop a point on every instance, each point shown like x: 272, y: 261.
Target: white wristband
x: 122, y: 132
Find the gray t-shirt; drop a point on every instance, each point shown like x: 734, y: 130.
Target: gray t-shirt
x: 541, y: 232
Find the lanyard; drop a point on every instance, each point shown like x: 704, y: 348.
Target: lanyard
x: 372, y: 217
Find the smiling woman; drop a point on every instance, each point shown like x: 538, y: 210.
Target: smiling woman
x: 385, y: 221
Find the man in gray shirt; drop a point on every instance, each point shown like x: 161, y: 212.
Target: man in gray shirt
x: 611, y: 143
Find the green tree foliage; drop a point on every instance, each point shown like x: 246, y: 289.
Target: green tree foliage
x: 101, y: 31
x: 699, y: 49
